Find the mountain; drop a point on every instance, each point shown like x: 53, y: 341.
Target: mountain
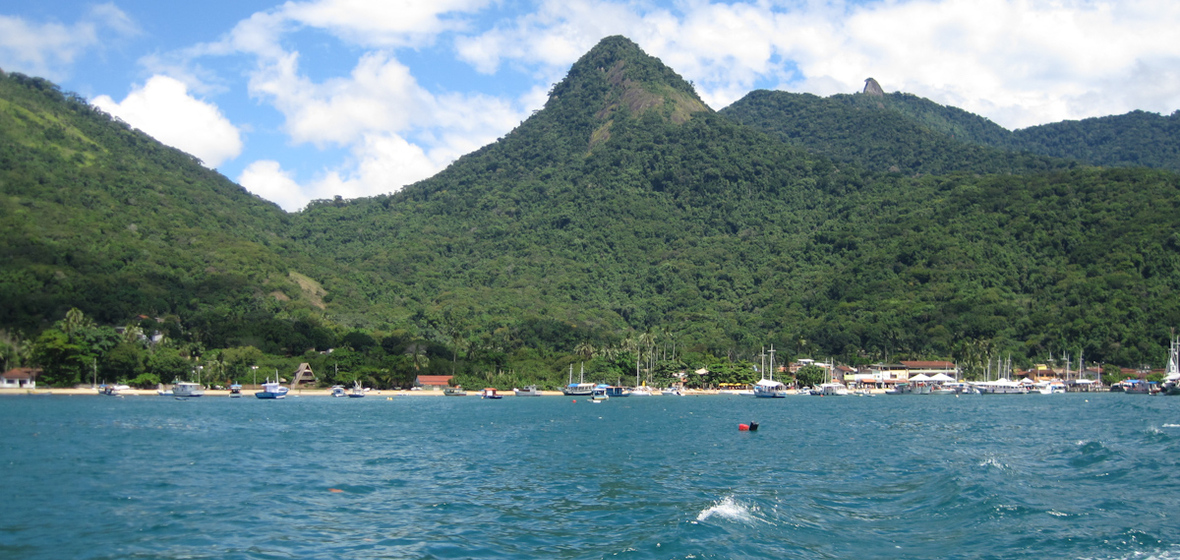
x: 624, y: 206
x: 100, y: 216
x: 888, y: 133
x: 1135, y: 139
x: 905, y: 133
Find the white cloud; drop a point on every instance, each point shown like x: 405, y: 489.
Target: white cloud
x: 49, y: 50
x: 389, y: 23
x: 164, y: 109
x: 267, y: 179
x: 1015, y: 61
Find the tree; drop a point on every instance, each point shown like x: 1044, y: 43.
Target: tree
x: 810, y: 375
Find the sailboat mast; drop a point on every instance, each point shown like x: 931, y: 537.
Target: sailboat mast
x: 772, y: 362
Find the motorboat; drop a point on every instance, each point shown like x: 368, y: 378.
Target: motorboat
x: 186, y: 389
x: 530, y: 391
x: 118, y: 390
x: 672, y: 392
x: 456, y: 391
x: 272, y: 390
x: 338, y: 391
x: 832, y: 389
x: 641, y: 391
x: 235, y: 391
x: 599, y: 394
x: 357, y: 391
x: 490, y: 393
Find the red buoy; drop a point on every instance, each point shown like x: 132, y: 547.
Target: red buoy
x: 743, y: 427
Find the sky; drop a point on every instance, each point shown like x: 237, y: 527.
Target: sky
x: 312, y: 99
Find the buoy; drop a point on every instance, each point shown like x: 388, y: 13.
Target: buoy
x: 335, y: 490
x: 743, y: 427
x: 753, y: 426
x: 575, y: 400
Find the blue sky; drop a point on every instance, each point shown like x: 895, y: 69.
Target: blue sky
x: 310, y: 99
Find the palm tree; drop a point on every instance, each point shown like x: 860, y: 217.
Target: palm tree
x: 585, y: 349
x: 417, y: 351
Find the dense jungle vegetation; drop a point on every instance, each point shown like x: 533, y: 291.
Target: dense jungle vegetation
x: 625, y: 225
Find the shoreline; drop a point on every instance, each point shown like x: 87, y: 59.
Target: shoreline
x: 74, y: 391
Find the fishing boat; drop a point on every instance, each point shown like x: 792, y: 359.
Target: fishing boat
x: 235, y: 391
x: 490, y: 393
x: 338, y: 391
x: 581, y: 388
x: 530, y: 391
x: 357, y: 391
x: 456, y: 391
x: 272, y: 390
x: 769, y: 388
x: 186, y: 389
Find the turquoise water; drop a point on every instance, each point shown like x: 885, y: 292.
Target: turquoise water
x: 1036, y: 476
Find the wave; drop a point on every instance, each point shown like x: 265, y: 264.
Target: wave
x: 728, y: 509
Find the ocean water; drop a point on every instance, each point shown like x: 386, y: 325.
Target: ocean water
x: 1037, y: 476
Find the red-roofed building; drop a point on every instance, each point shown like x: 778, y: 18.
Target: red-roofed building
x: 20, y: 378
x: 435, y: 382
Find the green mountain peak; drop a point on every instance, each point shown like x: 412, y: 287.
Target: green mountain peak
x: 616, y: 79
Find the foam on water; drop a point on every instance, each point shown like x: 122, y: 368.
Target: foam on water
x: 729, y: 509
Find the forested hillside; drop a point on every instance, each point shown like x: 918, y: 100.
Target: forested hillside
x: 623, y: 221
x: 101, y: 217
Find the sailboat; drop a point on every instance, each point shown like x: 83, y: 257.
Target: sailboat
x: 1171, y: 384
x: 769, y: 388
x: 581, y: 388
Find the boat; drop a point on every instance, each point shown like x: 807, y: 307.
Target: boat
x: 672, y: 392
x: 599, y: 394
x: 769, y: 388
x: 641, y: 391
x: 235, y: 391
x: 832, y: 389
x: 456, y: 391
x: 613, y: 390
x: 1171, y: 382
x: 272, y: 390
x: 357, y: 391
x: 490, y: 393
x: 579, y: 389
x: 1001, y: 387
x: 530, y: 391
x: 118, y: 390
x: 186, y: 389
x: 1052, y: 387
x: 338, y: 391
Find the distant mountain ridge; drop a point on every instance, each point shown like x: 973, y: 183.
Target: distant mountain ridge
x: 883, y: 131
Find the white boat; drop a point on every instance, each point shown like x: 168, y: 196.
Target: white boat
x: 1053, y: 387
x: 769, y: 388
x: 235, y: 391
x: 357, y: 391
x: 115, y: 390
x: 579, y: 389
x: 1001, y: 387
x: 272, y: 390
x: 641, y: 391
x: 599, y: 394
x: 185, y: 389
x: 530, y: 391
x: 832, y: 389
x: 338, y: 391
x: 1171, y: 382
x: 490, y: 393
x: 672, y: 392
